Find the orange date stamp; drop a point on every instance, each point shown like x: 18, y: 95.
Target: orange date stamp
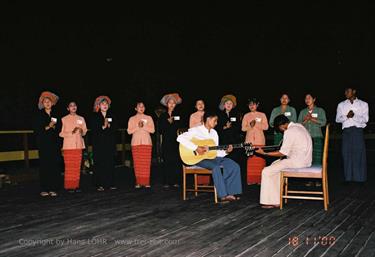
x: 312, y: 240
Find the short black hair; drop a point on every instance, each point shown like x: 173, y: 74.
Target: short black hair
x: 312, y: 94
x: 280, y: 120
x: 71, y: 101
x: 253, y: 100
x: 351, y: 87
x: 209, y: 114
x: 139, y: 101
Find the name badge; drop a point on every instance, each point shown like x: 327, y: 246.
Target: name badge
x: 144, y: 121
x: 287, y: 114
x: 53, y: 119
x: 233, y: 119
x: 109, y: 119
x: 258, y: 119
x: 176, y: 117
x: 79, y: 122
x: 314, y: 115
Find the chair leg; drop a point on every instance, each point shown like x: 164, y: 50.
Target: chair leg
x: 325, y: 194
x: 286, y: 189
x: 281, y: 190
x: 215, y: 194
x: 196, y: 185
x: 184, y: 185
x: 327, y: 191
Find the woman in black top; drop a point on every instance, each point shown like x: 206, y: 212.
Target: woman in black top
x: 103, y: 131
x: 47, y: 126
x: 229, y: 130
x: 229, y: 124
x: 169, y: 122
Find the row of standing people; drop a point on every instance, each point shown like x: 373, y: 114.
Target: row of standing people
x: 73, y: 127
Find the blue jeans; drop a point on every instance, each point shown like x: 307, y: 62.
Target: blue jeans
x: 228, y: 182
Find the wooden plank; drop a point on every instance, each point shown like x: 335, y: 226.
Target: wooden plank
x: 157, y: 222
x: 328, y: 226
x: 283, y: 244
x: 297, y: 235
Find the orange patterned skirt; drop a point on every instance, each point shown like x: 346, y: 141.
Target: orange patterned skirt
x: 255, y: 165
x: 72, y: 161
x: 142, y: 163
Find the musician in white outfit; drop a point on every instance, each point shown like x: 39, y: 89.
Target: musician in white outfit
x: 226, y: 173
x: 296, y: 147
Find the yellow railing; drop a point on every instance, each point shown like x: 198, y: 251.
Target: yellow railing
x: 30, y: 154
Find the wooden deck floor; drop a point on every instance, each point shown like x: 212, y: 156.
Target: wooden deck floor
x: 127, y: 222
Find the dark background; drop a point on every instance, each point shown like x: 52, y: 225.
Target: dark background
x: 258, y: 51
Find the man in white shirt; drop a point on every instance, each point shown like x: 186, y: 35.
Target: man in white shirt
x: 296, y: 147
x: 228, y: 183
x: 353, y: 114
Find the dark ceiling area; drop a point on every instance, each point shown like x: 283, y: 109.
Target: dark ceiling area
x: 254, y: 51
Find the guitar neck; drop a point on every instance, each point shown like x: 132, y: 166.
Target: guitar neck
x: 224, y: 147
x: 269, y: 148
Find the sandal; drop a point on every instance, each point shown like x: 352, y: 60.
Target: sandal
x: 231, y: 198
x: 223, y: 200
x: 44, y: 194
x: 267, y: 206
x: 113, y: 188
x: 52, y: 193
x: 100, y: 189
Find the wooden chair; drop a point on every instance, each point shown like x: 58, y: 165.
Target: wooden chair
x: 316, y: 172
x: 195, y: 170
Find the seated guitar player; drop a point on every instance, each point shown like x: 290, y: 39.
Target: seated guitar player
x: 228, y: 183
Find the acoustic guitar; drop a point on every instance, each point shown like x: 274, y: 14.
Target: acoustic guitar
x: 190, y: 157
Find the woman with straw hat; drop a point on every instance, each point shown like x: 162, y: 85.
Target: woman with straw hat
x: 46, y: 128
x: 229, y: 129
x: 169, y: 123
x: 104, y: 127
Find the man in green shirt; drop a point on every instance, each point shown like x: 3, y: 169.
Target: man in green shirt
x: 285, y: 109
x: 314, y: 118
